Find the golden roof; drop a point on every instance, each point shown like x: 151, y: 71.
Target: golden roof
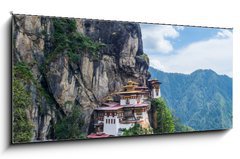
x: 132, y: 83
x: 129, y: 92
x: 109, y: 98
x: 130, y: 88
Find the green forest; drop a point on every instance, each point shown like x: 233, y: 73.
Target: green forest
x: 165, y: 122
x: 201, y: 100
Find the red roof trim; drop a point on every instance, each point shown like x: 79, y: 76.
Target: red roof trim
x: 94, y: 136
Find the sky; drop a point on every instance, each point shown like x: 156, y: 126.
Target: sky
x: 184, y: 49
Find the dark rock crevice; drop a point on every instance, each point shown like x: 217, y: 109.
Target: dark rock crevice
x: 86, y: 82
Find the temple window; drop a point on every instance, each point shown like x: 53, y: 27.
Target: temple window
x: 139, y: 112
x: 127, y: 101
x: 138, y: 100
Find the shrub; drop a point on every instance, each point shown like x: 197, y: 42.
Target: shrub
x: 69, y: 127
x: 66, y: 40
x: 165, y: 120
x: 22, y: 71
x: 144, y: 57
x: 137, y: 130
x: 22, y: 127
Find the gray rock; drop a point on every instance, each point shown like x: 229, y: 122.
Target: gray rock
x: 85, y: 83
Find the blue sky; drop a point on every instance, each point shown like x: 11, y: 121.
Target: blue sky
x: 184, y: 49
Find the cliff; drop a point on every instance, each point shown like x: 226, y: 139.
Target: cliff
x: 103, y: 56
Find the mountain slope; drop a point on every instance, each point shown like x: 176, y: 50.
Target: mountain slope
x: 201, y: 100
x: 67, y: 68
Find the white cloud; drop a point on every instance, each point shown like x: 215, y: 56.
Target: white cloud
x: 215, y: 54
x: 224, y: 34
x: 156, y: 63
x: 179, y: 27
x: 156, y: 38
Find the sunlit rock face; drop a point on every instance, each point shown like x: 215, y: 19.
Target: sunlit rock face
x: 84, y: 83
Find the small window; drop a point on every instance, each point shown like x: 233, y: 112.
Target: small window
x: 127, y: 102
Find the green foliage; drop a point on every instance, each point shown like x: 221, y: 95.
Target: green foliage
x: 67, y: 41
x: 44, y: 93
x: 179, y: 127
x: 137, y: 130
x: 201, y: 100
x: 22, y: 71
x: 74, y: 57
x: 145, y: 57
x: 22, y: 101
x: 22, y: 127
x: 165, y: 119
x: 44, y: 32
x: 69, y: 127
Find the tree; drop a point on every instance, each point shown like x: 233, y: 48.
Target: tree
x: 22, y: 127
x: 69, y: 127
x: 137, y: 130
x: 179, y: 127
x: 68, y: 41
x: 164, y: 118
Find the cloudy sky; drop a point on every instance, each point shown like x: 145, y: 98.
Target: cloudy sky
x: 186, y: 49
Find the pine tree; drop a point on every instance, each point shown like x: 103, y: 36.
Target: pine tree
x: 164, y: 118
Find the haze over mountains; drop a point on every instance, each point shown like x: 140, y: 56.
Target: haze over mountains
x: 201, y: 100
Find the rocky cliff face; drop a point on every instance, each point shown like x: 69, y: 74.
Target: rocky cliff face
x: 60, y: 83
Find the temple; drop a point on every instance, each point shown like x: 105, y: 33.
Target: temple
x: 112, y: 118
x: 155, y: 88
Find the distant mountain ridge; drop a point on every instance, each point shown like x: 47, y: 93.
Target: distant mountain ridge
x: 201, y: 100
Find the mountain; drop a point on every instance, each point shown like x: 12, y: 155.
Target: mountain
x: 65, y: 63
x: 201, y: 100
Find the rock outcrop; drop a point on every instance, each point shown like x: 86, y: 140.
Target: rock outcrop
x: 60, y: 83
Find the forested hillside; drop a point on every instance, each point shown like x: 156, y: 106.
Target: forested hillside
x: 201, y: 100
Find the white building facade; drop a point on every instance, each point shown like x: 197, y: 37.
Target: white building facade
x: 114, y: 118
